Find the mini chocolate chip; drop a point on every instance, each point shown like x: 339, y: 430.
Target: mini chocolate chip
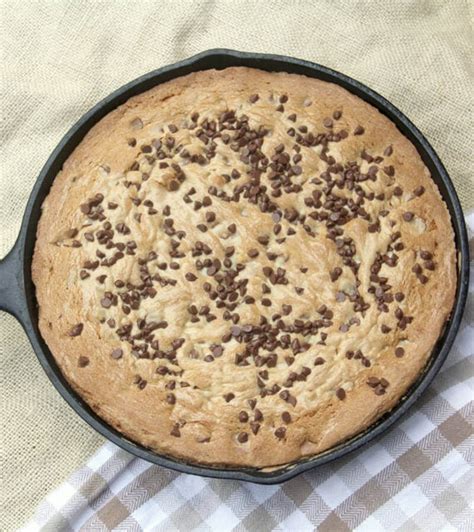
x: 190, y: 277
x: 228, y: 397
x: 335, y: 273
x: 374, y: 228
x: 83, y: 361
x: 359, y: 130
x: 285, y: 394
x: 253, y: 98
x: 252, y: 253
x: 76, y: 330
x: 276, y: 216
x: 408, y: 216
x: 297, y: 170
x: 399, y: 296
x: 255, y: 427
x: 399, y: 313
x: 319, y: 361
x: 341, y: 394
x: 280, y: 432
x: 399, y: 352
x: 117, y: 353
x: 85, y: 208
x: 286, y: 417
x: 175, y: 431
x: 243, y: 416
x: 210, y: 217
x: 389, y: 170
x: 106, y: 302
x: 235, y: 330
x: 217, y: 351
x: 419, y: 191
x: 242, y: 437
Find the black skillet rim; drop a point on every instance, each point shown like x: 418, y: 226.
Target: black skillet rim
x: 18, y: 292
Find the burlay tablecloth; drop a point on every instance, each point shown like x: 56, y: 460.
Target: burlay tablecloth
x: 59, y: 58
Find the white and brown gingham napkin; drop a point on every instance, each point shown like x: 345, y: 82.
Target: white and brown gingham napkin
x: 418, y: 476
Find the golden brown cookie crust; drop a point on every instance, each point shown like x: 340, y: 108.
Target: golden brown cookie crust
x: 336, y: 296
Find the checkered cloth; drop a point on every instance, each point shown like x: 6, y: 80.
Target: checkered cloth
x: 418, y: 476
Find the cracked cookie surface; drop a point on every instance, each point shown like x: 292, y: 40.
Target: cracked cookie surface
x: 243, y: 268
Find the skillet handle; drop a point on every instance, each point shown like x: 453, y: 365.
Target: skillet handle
x: 12, y: 298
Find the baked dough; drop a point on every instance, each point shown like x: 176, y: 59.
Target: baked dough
x: 243, y: 268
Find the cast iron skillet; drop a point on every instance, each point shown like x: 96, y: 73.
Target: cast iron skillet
x: 17, y: 294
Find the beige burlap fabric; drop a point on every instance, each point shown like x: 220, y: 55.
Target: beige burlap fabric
x: 60, y: 57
